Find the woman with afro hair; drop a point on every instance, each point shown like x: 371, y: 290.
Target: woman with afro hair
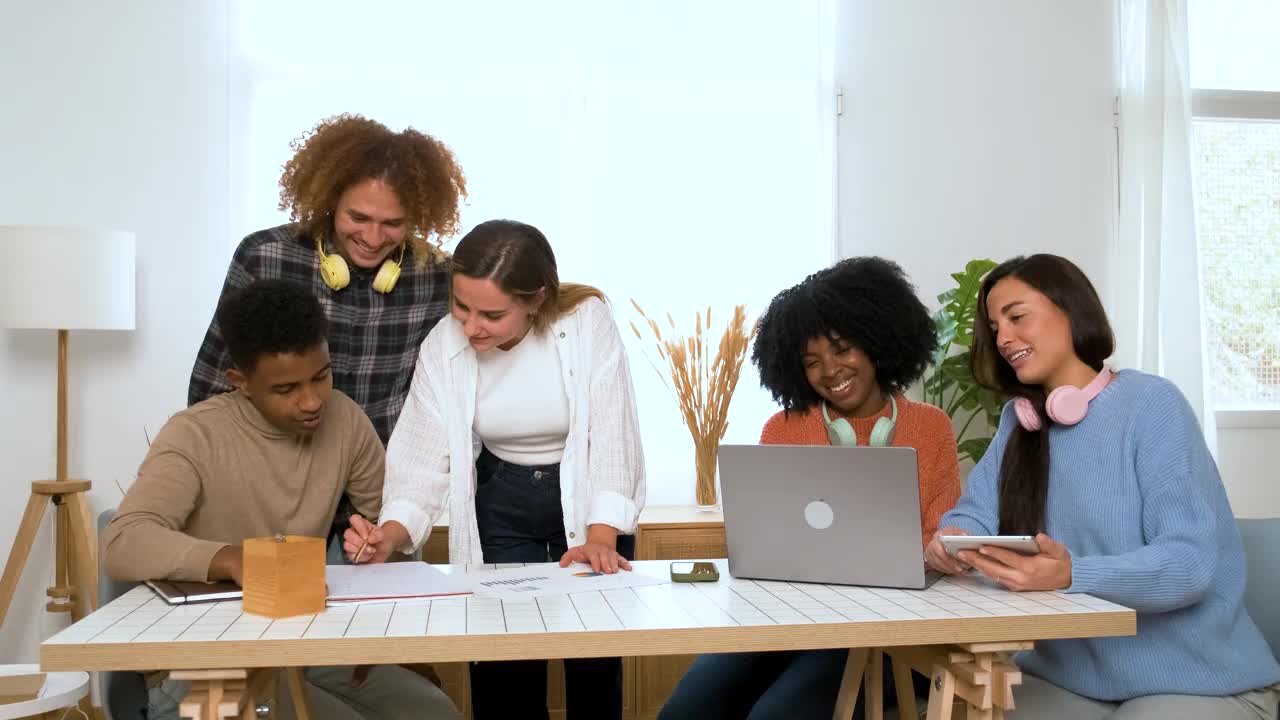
x: 843, y: 344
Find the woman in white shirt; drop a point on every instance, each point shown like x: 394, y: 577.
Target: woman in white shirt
x: 536, y: 373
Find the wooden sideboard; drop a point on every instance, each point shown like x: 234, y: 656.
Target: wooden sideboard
x: 666, y: 532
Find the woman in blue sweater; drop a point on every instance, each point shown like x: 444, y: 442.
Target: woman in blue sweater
x: 1110, y: 472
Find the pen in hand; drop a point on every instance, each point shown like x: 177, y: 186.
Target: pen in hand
x: 360, y: 552
x: 364, y: 537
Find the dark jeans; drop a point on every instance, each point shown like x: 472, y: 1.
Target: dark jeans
x: 519, y: 519
x: 768, y: 685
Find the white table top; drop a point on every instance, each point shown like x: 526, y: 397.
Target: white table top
x: 139, y: 631
x: 61, y: 690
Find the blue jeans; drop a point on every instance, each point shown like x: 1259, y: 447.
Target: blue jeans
x: 794, y: 685
x: 519, y: 519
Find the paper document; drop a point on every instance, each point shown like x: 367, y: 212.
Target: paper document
x: 390, y: 582
x: 550, y: 579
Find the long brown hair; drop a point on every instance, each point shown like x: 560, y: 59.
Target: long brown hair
x: 1024, y: 469
x: 518, y: 259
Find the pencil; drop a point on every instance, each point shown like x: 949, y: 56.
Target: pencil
x: 360, y: 552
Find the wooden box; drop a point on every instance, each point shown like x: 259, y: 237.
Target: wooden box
x: 284, y: 576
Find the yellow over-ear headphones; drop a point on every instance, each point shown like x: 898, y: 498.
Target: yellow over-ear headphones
x: 334, y: 271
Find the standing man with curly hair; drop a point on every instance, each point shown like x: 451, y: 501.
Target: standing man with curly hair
x: 368, y: 208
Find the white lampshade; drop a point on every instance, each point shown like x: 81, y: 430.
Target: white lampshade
x: 66, y: 278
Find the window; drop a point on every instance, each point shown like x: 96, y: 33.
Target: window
x: 1235, y: 77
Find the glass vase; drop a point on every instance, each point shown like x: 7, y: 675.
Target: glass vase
x: 705, y: 467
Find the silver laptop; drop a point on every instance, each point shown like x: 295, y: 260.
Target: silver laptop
x: 823, y: 514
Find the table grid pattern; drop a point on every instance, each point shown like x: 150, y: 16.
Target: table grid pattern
x: 139, y: 616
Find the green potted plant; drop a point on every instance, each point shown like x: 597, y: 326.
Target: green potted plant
x: 949, y: 383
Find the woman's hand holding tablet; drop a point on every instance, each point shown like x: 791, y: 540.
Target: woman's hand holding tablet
x: 1024, y: 544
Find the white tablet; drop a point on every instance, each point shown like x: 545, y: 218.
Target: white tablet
x: 1024, y: 544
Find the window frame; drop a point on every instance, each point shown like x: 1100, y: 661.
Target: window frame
x: 1209, y: 104
x: 1239, y: 105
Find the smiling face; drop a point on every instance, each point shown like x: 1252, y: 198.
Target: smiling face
x: 369, y: 223
x: 290, y: 390
x: 490, y: 318
x: 1032, y: 334
x: 843, y: 376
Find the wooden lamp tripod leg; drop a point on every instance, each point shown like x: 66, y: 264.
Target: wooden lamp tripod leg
x: 82, y: 557
x: 77, y: 592
x: 61, y: 594
x: 26, y: 537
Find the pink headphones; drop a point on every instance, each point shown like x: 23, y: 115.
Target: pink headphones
x: 1066, y: 406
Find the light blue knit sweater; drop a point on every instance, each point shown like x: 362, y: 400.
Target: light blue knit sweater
x: 1135, y: 496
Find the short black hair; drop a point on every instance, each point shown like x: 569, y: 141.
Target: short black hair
x: 867, y: 301
x: 268, y: 317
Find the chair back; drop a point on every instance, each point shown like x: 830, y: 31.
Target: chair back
x: 1262, y: 554
x: 124, y: 692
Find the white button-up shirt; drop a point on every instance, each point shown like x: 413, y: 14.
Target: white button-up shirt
x: 431, y: 456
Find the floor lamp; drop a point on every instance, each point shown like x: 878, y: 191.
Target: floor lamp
x: 63, y: 278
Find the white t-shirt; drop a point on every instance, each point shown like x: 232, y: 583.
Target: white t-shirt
x: 522, y: 408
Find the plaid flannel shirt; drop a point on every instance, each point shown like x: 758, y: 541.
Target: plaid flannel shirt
x: 373, y: 337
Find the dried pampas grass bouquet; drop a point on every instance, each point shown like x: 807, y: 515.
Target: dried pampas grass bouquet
x: 702, y: 383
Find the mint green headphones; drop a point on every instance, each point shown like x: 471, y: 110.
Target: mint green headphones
x: 841, y: 433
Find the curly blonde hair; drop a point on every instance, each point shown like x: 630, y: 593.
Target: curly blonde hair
x: 346, y: 149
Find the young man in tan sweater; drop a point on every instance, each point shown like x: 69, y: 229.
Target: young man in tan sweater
x: 273, y: 456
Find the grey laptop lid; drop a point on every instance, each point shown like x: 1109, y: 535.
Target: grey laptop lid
x: 843, y: 515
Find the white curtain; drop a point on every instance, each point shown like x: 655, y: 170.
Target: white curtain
x: 1158, y: 298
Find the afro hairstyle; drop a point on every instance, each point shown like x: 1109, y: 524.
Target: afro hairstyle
x: 866, y: 301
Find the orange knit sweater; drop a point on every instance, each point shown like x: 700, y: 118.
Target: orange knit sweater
x: 920, y: 426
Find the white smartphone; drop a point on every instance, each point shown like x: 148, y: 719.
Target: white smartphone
x: 1024, y: 544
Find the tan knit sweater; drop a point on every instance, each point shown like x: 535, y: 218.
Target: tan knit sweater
x: 219, y: 473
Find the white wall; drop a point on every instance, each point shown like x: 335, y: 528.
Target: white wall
x: 975, y: 129
x: 115, y: 116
